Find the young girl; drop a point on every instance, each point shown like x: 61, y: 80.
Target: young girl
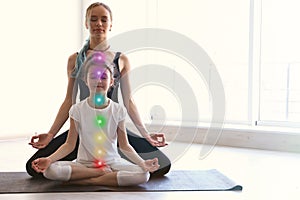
x: 99, y: 23
x: 99, y: 122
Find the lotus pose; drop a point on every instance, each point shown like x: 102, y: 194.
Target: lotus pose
x: 99, y: 122
x: 99, y: 22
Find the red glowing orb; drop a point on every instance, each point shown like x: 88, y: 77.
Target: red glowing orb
x: 99, y: 163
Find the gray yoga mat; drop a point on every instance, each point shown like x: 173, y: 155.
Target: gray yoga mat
x: 176, y: 180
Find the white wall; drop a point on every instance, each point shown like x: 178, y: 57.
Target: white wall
x: 36, y: 40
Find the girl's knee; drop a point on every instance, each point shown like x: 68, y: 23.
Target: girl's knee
x: 143, y: 178
x: 58, y: 172
x: 129, y: 178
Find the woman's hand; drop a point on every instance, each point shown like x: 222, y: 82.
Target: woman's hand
x: 150, y: 165
x: 157, y: 139
x: 42, y: 140
x: 41, y: 164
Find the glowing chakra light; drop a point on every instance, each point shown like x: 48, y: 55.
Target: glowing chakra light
x: 99, y: 137
x: 98, y: 71
x: 99, y: 57
x: 99, y: 163
x: 99, y: 99
x: 100, y: 121
x: 100, y: 152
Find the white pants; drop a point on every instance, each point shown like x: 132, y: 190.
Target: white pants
x: 127, y: 173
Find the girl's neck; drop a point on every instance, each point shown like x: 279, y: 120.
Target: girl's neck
x: 99, y: 44
x: 93, y: 102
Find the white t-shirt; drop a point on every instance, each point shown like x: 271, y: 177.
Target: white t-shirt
x: 97, y: 129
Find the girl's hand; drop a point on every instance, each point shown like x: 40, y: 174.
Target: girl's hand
x: 106, y: 169
x: 157, y: 139
x: 150, y: 165
x: 41, y: 164
x: 42, y: 142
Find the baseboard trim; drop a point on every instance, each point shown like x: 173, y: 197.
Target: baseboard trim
x: 243, y: 138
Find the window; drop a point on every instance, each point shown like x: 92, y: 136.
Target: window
x: 225, y: 33
x: 280, y: 63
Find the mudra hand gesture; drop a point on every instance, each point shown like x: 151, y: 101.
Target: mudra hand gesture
x: 157, y: 139
x: 42, y: 140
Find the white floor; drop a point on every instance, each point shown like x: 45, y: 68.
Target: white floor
x: 263, y: 174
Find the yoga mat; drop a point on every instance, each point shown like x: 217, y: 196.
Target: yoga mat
x: 176, y: 180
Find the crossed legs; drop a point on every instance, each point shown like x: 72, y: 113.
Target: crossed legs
x: 123, y: 173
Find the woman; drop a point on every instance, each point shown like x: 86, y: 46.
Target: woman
x: 99, y: 22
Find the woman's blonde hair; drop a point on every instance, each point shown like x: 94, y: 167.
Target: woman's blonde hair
x: 93, y: 5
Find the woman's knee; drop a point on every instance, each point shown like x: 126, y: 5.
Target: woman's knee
x: 29, y: 169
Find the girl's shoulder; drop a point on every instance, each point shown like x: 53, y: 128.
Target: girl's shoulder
x: 118, y: 110
x: 116, y: 105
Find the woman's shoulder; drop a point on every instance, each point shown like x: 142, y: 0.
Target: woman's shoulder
x: 124, y: 64
x: 72, y: 58
x: 123, y: 57
x: 71, y: 62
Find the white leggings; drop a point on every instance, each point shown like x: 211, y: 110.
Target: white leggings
x: 127, y: 173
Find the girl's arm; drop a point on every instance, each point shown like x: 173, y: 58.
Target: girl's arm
x: 148, y: 165
x: 124, y: 145
x: 41, y: 164
x: 68, y: 146
x: 131, y: 107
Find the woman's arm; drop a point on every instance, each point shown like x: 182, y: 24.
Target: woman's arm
x: 157, y: 139
x: 63, y: 113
